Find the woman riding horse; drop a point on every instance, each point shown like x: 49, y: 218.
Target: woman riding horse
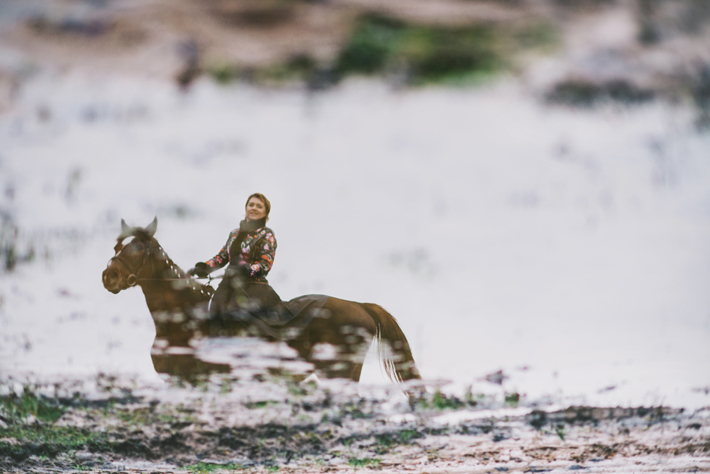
x: 249, y: 251
x: 175, y: 302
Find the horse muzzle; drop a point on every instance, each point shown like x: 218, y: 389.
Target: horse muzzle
x: 112, y: 280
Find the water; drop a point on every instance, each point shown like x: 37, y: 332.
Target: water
x: 568, y: 249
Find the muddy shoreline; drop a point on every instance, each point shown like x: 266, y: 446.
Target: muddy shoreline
x: 290, y: 427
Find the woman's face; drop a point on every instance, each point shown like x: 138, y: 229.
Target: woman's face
x: 255, y: 209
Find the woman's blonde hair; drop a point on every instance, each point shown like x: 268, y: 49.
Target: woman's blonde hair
x: 262, y: 198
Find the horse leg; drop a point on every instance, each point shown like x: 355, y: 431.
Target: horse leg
x: 348, y: 329
x: 332, y: 359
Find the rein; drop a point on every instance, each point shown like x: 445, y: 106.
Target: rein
x: 209, y: 278
x: 134, y: 276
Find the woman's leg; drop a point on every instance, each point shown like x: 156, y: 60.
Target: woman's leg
x: 267, y: 303
x: 220, y: 300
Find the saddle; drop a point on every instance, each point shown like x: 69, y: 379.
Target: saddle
x: 284, y: 323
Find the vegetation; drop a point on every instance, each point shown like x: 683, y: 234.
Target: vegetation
x: 428, y: 54
x: 223, y: 73
x: 17, y: 409
x: 399, y: 437
x: 204, y: 467
x: 441, y: 401
x: 412, y: 54
x: 261, y: 404
x: 48, y: 440
x: 560, y: 431
x: 512, y: 399
x: 364, y: 462
x: 300, y: 68
x: 78, y: 434
x: 586, y: 94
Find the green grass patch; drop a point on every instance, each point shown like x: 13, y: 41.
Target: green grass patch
x: 138, y: 416
x: 17, y: 408
x: 261, y: 404
x: 297, y: 68
x: 440, y: 401
x: 397, y: 438
x: 223, y: 73
x: 205, y: 467
x: 364, y: 462
x: 48, y: 440
x: 301, y: 389
x: 146, y: 416
x: 431, y: 54
x: 560, y: 431
x: 406, y: 435
x: 512, y: 399
x: 419, y: 54
x: 355, y: 412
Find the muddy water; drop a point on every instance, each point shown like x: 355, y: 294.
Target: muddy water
x: 535, y: 257
x: 565, y: 248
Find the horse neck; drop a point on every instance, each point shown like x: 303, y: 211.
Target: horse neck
x: 166, y: 287
x: 163, y: 265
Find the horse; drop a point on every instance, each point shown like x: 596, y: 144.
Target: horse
x: 178, y: 304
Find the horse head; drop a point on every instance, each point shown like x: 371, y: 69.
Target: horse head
x: 130, y: 261
x: 176, y: 301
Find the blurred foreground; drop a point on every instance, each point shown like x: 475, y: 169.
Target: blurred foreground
x: 267, y: 427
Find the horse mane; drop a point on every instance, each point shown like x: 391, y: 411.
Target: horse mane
x: 141, y: 234
x: 156, y: 249
x: 170, y: 287
x: 160, y: 254
x: 137, y: 232
x: 163, y: 260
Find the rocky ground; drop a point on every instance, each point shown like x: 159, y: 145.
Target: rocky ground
x: 270, y: 426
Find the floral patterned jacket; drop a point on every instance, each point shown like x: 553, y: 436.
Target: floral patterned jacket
x: 257, y: 253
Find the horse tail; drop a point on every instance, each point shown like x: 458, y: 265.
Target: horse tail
x: 398, y: 360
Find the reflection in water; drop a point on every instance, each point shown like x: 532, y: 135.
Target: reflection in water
x: 330, y: 334
x: 569, y: 258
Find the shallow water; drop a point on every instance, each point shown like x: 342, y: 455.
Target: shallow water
x: 568, y: 249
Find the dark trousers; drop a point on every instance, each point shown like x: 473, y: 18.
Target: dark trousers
x: 258, y: 299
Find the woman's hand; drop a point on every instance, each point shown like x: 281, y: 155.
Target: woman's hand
x: 200, y: 270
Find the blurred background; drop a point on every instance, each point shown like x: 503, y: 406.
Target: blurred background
x: 523, y: 184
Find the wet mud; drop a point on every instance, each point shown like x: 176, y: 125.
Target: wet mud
x: 281, y: 426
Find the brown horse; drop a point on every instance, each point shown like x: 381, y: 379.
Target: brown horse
x: 178, y: 305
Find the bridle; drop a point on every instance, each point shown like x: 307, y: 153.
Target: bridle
x: 133, y: 276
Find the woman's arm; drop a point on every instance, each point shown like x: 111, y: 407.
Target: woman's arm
x: 202, y: 269
x: 222, y: 257
x: 262, y: 258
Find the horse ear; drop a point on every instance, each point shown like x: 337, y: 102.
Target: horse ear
x: 152, y: 227
x: 126, y: 230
